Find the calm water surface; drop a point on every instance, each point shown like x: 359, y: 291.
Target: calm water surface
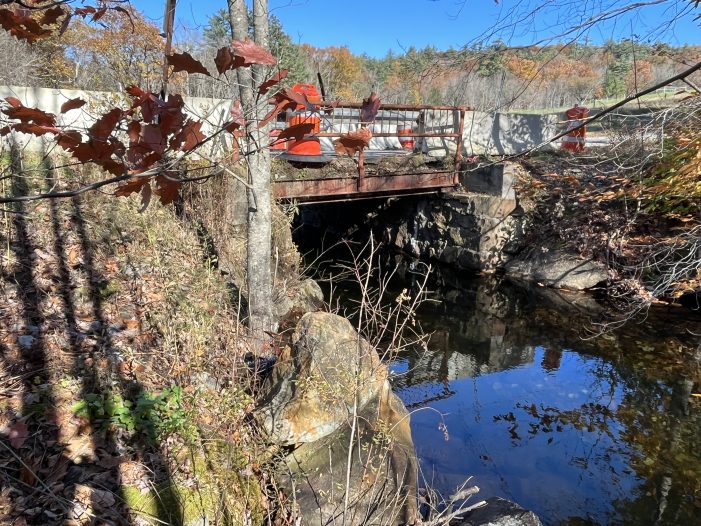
x: 582, y: 431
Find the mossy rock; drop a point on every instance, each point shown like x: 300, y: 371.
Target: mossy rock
x: 215, y: 494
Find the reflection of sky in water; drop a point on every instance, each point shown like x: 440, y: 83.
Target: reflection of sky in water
x: 558, y: 474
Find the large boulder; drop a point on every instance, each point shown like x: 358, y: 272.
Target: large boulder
x: 557, y: 269
x: 296, y: 300
x: 317, y: 382
x: 328, y: 395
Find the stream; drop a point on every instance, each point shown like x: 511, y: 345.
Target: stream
x: 512, y: 391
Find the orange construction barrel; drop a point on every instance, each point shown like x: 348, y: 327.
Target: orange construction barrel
x: 273, y: 137
x: 310, y: 146
x: 406, y: 142
x: 574, y: 140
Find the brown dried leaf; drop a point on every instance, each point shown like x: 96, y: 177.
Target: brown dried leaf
x: 297, y: 132
x: 18, y: 434
x: 132, y: 185
x: 265, y: 86
x: 352, y: 142
x: 186, y: 62
x: 166, y: 188
x: 369, y: 109
x: 72, y: 104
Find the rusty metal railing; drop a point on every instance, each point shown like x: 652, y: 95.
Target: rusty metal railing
x: 436, y: 130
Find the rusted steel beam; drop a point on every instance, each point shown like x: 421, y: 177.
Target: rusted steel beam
x: 348, y: 186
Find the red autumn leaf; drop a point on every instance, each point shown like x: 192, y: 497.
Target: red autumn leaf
x: 83, y: 11
x: 238, y: 120
x: 252, y: 53
x: 189, y: 136
x: 186, y: 62
x: 263, y: 88
x: 104, y: 126
x: 152, y: 138
x: 65, y: 24
x: 352, y: 142
x: 297, y: 132
x: 34, y: 129
x: 22, y: 27
x: 166, y: 188
x: 134, y: 131
x: 172, y: 120
x: 225, y: 60
x: 369, y: 109
x: 34, y: 115
x: 136, y: 91
x: 300, y: 98
x: 114, y: 167
x: 280, y: 105
x: 142, y: 162
x: 18, y: 434
x: 14, y: 102
x: 50, y: 16
x: 72, y: 104
x: 99, y: 14
x: 68, y: 140
x: 131, y: 185
x: 286, y: 99
x: 97, y: 151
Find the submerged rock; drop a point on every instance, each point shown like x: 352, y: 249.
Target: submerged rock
x: 558, y: 269
x: 500, y: 512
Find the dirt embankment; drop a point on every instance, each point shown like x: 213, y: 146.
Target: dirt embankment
x: 122, y: 386
x: 590, y: 205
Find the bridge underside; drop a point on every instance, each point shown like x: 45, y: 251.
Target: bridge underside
x: 349, y: 188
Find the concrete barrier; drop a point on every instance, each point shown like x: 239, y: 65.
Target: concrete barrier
x: 212, y: 112
x: 483, y: 133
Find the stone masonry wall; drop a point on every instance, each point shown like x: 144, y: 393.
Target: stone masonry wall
x: 466, y: 230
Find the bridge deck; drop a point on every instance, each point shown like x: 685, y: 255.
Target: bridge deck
x: 386, y: 170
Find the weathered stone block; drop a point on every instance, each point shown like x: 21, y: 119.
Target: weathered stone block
x: 495, y: 180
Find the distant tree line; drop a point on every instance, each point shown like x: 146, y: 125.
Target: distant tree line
x: 108, y: 57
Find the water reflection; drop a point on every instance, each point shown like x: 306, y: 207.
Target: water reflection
x: 597, y: 431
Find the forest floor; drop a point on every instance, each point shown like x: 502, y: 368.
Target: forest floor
x: 121, y: 369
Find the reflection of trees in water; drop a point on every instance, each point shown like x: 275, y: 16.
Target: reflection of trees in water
x: 639, y: 407
x: 653, y: 426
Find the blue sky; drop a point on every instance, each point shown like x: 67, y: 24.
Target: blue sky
x: 374, y: 27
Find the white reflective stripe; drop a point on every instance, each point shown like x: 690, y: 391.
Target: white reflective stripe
x: 569, y: 138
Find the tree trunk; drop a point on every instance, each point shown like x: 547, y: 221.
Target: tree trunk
x: 259, y: 276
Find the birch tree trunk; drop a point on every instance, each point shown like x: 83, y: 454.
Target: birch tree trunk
x: 259, y: 275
